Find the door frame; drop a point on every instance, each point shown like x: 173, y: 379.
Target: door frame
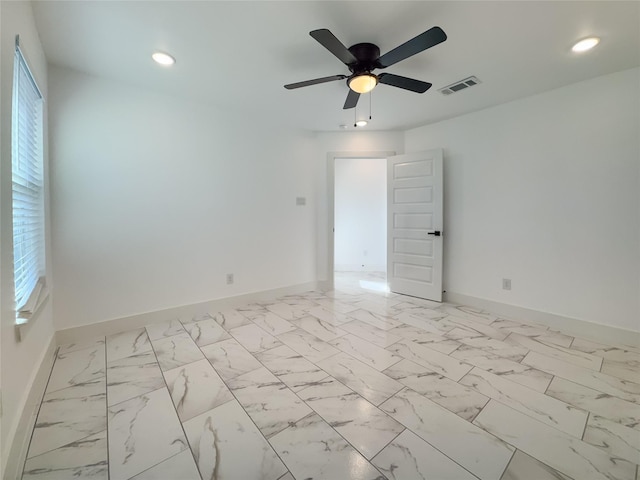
x: 331, y: 187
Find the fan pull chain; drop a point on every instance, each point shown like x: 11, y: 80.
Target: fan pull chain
x: 370, y: 94
x: 355, y: 116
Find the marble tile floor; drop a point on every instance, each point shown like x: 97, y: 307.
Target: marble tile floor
x: 347, y: 384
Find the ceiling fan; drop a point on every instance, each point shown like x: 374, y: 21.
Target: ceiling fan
x: 363, y: 58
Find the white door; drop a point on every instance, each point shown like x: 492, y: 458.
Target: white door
x: 414, y: 224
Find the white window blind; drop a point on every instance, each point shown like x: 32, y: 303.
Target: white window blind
x: 28, y: 184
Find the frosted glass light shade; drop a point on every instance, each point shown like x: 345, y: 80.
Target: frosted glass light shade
x: 363, y: 83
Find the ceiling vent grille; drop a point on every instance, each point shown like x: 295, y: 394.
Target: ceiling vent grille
x: 459, y: 85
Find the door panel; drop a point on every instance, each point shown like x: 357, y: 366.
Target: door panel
x: 412, y: 169
x: 412, y: 221
x: 421, y: 247
x: 415, y: 208
x: 413, y: 272
x: 413, y: 194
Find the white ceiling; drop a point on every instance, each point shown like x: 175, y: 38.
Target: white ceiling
x: 238, y: 55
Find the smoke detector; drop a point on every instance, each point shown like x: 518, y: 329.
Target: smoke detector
x: 459, y: 85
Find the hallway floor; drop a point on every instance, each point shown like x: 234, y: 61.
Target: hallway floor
x: 349, y: 384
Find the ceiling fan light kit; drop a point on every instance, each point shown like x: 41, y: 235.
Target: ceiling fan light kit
x: 362, y: 83
x: 363, y: 58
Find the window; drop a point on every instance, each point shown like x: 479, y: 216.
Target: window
x: 27, y: 188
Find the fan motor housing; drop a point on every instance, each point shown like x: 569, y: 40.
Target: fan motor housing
x: 367, y: 55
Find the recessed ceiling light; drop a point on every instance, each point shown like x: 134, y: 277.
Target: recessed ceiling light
x: 163, y: 58
x: 361, y: 123
x: 585, y: 44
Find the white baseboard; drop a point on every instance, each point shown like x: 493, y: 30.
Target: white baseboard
x: 325, y: 285
x: 19, y: 441
x: 596, y: 331
x: 117, y: 325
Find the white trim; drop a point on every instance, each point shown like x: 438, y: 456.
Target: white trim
x: 23, y: 324
x: 18, y: 440
x: 26, y: 65
x: 117, y: 325
x: 325, y: 285
x: 32, y: 308
x: 596, y: 331
x: 34, y: 302
x: 28, y: 185
x: 331, y: 187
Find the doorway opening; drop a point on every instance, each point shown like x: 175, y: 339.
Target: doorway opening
x: 360, y: 223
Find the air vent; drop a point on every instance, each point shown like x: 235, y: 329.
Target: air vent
x: 460, y: 85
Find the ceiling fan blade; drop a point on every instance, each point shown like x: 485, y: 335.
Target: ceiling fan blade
x: 404, y: 82
x: 352, y: 100
x: 425, y: 40
x: 335, y: 46
x: 315, y: 81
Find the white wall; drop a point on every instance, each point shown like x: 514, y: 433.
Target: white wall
x: 19, y: 360
x: 360, y: 214
x: 345, y: 145
x: 156, y: 199
x: 546, y: 191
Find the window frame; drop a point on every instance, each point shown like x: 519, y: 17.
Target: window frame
x: 27, y: 190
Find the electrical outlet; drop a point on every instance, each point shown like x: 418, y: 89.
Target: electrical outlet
x: 229, y: 278
x: 506, y: 284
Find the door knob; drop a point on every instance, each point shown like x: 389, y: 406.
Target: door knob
x: 435, y: 233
